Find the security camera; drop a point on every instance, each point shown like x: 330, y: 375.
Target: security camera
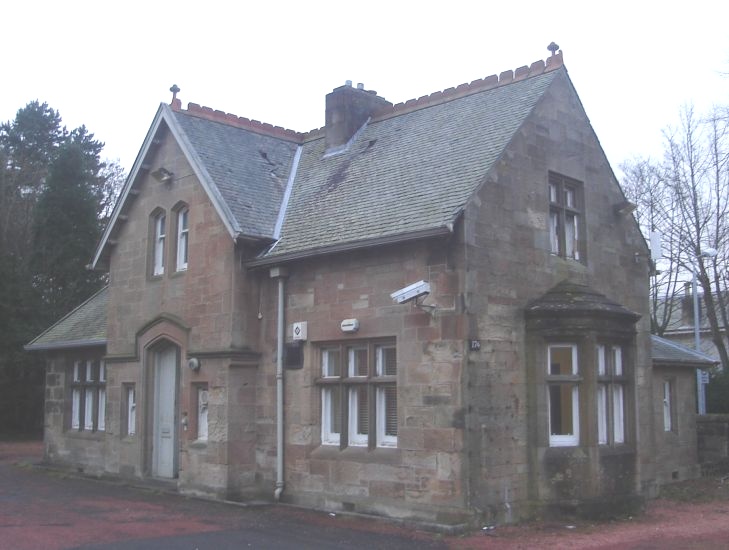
x: 411, y: 292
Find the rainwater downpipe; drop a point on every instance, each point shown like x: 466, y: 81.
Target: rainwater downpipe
x: 279, y: 273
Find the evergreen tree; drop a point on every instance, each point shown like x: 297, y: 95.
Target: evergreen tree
x: 54, y: 190
x: 66, y: 230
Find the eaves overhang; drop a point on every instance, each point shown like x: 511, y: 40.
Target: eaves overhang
x: 288, y: 257
x: 70, y: 344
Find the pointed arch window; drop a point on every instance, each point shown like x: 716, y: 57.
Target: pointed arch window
x: 183, y: 232
x: 158, y: 252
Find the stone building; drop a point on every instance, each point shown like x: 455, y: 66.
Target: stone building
x: 435, y: 310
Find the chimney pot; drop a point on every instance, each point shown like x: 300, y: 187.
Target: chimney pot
x: 360, y: 86
x: 348, y: 83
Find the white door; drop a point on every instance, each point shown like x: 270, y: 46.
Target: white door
x: 165, y: 424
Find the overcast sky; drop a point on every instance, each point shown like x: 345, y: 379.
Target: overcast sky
x: 109, y: 65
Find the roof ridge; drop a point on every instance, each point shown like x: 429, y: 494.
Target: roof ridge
x: 467, y: 88
x: 539, y: 67
x: 214, y: 115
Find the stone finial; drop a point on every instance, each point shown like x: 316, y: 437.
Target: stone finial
x: 553, y: 47
x: 176, y: 103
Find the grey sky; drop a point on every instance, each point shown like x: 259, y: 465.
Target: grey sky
x: 108, y: 65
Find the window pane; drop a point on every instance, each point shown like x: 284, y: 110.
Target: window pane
x: 386, y: 361
x: 390, y: 410
x: 601, y: 360
x: 553, y: 192
x: 76, y: 408
x: 182, y: 234
x: 561, y: 360
x: 667, y: 418
x: 357, y: 361
x: 569, y: 197
x: 77, y: 371
x: 159, y: 245
x: 101, y: 421
x: 89, y: 371
x: 358, y: 416
x: 602, y: 414
x: 561, y: 411
x: 554, y: 232
x: 618, y: 414
x: 331, y: 362
x: 202, y: 414
x: 89, y: 409
x: 570, y: 236
x: 618, y: 361
x: 131, y: 412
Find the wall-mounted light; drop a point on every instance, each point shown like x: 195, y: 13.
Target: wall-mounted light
x: 193, y: 363
x: 162, y: 175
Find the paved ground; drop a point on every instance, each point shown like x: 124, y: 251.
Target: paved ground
x: 40, y: 509
x: 46, y: 510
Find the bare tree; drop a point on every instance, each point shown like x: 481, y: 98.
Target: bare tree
x: 685, y: 196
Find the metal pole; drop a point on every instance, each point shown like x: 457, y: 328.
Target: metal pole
x: 700, y: 389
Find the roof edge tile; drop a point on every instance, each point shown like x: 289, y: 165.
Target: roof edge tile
x: 493, y: 81
x: 193, y: 109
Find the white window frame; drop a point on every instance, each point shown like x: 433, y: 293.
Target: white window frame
x: 610, y: 395
x: 328, y: 437
x: 160, y: 221
x: 88, y: 396
x: 183, y: 234
x: 203, y: 406
x: 573, y: 439
x: 131, y: 403
x: 667, y: 406
x: 354, y: 384
x: 564, y: 216
x: 357, y: 439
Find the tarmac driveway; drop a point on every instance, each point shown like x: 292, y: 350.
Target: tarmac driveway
x: 42, y: 509
x: 52, y: 511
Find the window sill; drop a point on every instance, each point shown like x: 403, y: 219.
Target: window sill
x: 85, y: 435
x: 197, y: 444
x: 621, y: 449
x: 387, y: 455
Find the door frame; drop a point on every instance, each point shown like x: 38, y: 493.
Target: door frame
x: 151, y: 359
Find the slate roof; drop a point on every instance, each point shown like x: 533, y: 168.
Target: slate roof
x: 666, y: 352
x: 405, y: 174
x: 250, y: 170
x: 569, y: 298
x: 84, y: 326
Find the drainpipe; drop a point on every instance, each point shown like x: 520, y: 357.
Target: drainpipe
x: 279, y: 273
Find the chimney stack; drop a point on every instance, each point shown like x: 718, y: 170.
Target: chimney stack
x: 347, y: 109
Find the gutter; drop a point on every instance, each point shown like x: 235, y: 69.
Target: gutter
x: 65, y: 345
x: 349, y: 246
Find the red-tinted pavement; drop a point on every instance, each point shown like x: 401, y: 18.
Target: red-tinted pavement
x: 47, y: 510
x: 40, y: 509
